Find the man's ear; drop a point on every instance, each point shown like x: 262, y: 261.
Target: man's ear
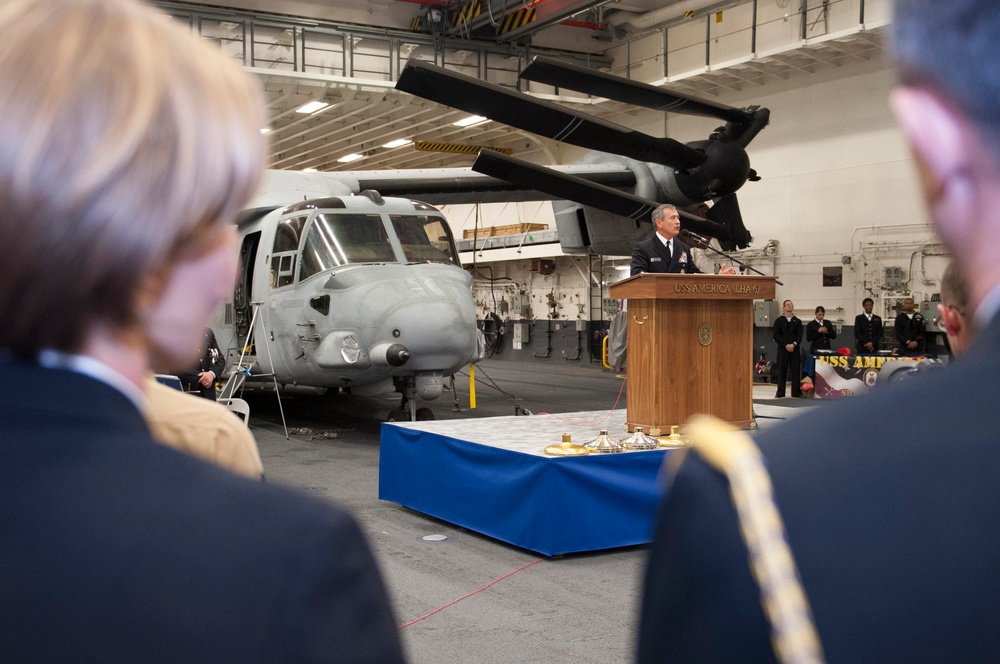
x: 950, y: 321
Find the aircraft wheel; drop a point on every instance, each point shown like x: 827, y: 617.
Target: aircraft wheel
x: 424, y: 414
x: 398, y: 415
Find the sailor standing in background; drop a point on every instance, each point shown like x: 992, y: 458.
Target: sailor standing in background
x: 788, y: 336
x: 868, y: 330
x: 910, y: 330
x: 820, y: 332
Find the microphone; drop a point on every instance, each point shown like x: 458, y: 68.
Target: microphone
x: 702, y: 242
x: 695, y: 240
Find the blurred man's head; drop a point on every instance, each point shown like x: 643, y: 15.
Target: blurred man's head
x: 127, y: 145
x: 953, y: 312
x: 908, y: 305
x: 788, y: 307
x: 820, y: 313
x: 947, y: 106
x: 867, y: 304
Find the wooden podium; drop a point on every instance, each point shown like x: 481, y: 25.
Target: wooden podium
x: 690, y: 347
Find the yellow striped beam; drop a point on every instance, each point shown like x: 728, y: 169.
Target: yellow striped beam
x: 468, y: 13
x: 515, y: 20
x: 460, y: 148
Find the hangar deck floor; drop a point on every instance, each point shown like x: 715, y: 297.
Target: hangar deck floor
x: 575, y: 608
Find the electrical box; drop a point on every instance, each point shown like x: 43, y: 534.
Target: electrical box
x: 764, y: 312
x: 520, y: 333
x: 893, y: 277
x: 543, y: 265
x: 929, y: 310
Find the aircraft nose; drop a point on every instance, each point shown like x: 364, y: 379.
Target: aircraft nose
x: 436, y: 334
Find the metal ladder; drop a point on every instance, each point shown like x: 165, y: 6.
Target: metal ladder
x: 240, y: 373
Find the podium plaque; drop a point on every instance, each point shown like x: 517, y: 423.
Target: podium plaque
x: 690, y: 347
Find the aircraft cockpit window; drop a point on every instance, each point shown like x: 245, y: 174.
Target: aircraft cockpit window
x: 286, y: 248
x: 342, y: 239
x: 282, y: 269
x: 286, y: 236
x: 425, y: 239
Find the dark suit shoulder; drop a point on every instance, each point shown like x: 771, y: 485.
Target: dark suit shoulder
x: 923, y: 491
x: 129, y: 535
x: 700, y: 600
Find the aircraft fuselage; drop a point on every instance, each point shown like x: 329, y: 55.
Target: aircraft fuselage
x: 352, y: 291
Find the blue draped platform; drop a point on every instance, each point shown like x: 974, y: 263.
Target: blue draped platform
x: 490, y: 475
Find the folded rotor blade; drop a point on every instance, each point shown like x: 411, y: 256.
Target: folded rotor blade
x: 592, y: 82
x: 726, y: 212
x: 578, y: 190
x: 526, y: 174
x: 542, y: 117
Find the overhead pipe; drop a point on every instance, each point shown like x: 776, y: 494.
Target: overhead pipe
x: 656, y: 17
x: 559, y: 15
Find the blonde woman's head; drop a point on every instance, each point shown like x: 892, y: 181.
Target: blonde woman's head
x: 127, y: 144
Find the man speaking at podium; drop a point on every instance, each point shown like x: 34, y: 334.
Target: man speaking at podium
x: 663, y: 251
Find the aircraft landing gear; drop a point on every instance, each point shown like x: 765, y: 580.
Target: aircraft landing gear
x: 408, y: 412
x: 424, y: 386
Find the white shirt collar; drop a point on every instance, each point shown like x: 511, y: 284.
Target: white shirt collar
x: 665, y: 241
x: 988, y: 308
x: 88, y: 366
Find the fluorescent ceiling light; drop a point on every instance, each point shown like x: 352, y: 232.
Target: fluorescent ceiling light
x: 308, y: 170
x: 469, y: 121
x: 347, y: 158
x: 622, y: 268
x: 398, y: 143
x: 265, y: 130
x: 312, y: 107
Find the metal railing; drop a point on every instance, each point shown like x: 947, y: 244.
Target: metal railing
x: 740, y: 30
x: 293, y: 44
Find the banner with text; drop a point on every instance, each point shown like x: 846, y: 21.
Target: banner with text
x: 849, y: 375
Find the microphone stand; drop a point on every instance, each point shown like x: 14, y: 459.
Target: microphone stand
x: 702, y: 242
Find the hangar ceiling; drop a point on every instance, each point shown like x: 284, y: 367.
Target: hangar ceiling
x: 301, y: 62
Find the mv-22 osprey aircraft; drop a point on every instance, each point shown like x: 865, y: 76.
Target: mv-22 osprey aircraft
x: 348, y: 282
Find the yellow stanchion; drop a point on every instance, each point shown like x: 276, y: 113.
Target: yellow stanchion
x: 472, y: 386
x: 604, y: 352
